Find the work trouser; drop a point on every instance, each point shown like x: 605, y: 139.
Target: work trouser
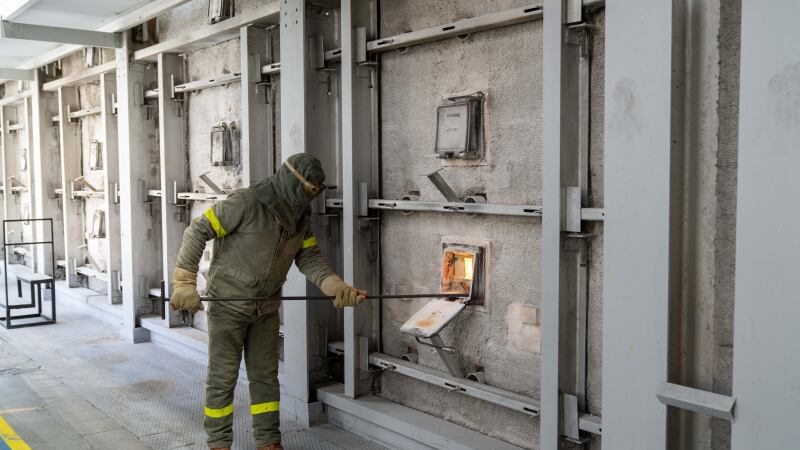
x: 230, y: 331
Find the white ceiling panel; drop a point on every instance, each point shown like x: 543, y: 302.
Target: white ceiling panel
x: 81, y: 14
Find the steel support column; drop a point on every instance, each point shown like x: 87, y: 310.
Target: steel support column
x: 256, y: 147
x: 45, y: 169
x: 766, y: 368
x: 296, y: 318
x: 110, y: 149
x: 638, y: 142
x: 359, y: 177
x: 140, y: 265
x: 555, y: 72
x: 173, y: 171
x: 70, y: 138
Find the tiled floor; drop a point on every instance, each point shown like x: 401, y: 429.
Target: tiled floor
x: 76, y: 385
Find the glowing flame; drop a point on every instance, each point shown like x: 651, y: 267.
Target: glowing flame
x: 469, y: 261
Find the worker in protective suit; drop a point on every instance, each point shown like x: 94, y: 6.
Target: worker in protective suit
x: 258, y: 232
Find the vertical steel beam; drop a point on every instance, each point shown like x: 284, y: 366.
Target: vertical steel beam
x: 26, y: 199
x: 766, y: 369
x: 293, y: 140
x: 8, y: 165
x: 358, y: 232
x: 638, y: 88
x: 173, y: 170
x: 69, y: 134
x: 256, y: 147
x: 45, y: 169
x: 110, y: 149
x: 554, y: 58
x: 139, y: 258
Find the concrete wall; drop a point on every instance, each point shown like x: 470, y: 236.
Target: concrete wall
x: 506, y: 65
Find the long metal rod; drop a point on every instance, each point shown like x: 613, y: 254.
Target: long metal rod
x: 326, y: 297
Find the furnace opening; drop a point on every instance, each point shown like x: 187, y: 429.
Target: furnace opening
x: 461, y: 270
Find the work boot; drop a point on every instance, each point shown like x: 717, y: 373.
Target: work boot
x: 271, y: 447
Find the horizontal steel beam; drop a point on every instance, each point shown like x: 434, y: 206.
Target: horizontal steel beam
x: 697, y: 400
x: 201, y: 196
x: 85, y: 112
x: 208, y: 35
x: 16, y: 98
x: 86, y: 193
x: 128, y: 20
x: 458, y: 28
x: 463, y: 386
x: 191, y: 86
x: 455, y: 207
x: 16, y: 74
x: 81, y: 77
x: 14, y: 127
x: 44, y: 33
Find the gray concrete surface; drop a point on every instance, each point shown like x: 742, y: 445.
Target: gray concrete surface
x: 76, y: 384
x: 506, y: 65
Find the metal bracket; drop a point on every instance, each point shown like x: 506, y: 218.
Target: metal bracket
x: 697, y: 400
x: 446, y: 354
x: 445, y: 189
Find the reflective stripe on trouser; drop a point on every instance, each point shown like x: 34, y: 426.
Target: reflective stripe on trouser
x: 229, y: 333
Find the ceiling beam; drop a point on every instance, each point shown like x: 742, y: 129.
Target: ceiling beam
x: 128, y: 20
x: 16, y: 74
x: 26, y: 31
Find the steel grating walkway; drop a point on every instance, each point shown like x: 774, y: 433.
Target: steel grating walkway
x: 150, y: 392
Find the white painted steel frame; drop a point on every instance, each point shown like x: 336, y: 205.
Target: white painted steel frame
x: 766, y: 366
x: 70, y: 141
x: 110, y: 149
x: 139, y: 263
x: 128, y: 20
x: 296, y: 341
x: 463, y: 386
x: 173, y: 173
x: 45, y: 169
x: 16, y: 74
x: 31, y: 32
x: 207, y: 35
x: 553, y: 36
x: 256, y: 147
x: 361, y: 324
x: 80, y: 77
x: 638, y: 112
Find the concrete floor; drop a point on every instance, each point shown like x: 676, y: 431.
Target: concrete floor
x: 76, y: 385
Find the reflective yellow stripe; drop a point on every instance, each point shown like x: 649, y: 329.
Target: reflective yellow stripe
x: 217, y: 413
x: 212, y: 218
x: 310, y: 242
x: 11, y: 439
x: 265, y: 407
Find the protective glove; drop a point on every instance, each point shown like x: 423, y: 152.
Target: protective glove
x: 184, y: 295
x: 346, y: 295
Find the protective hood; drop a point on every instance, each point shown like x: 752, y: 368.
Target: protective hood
x: 289, y: 192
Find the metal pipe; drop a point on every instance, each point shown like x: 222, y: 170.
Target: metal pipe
x: 326, y: 297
